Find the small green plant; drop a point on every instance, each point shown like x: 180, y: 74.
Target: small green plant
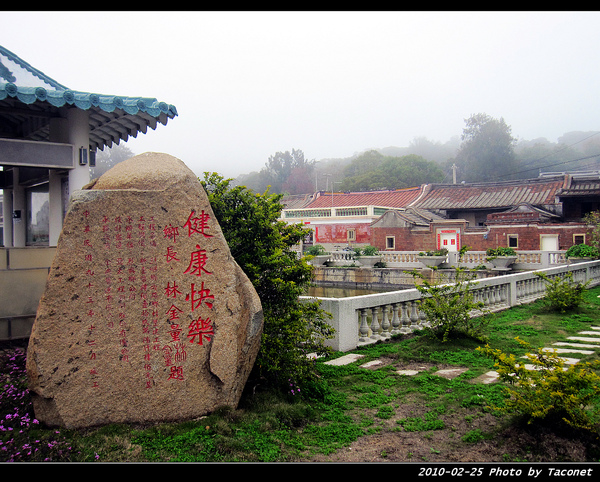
x: 369, y: 251
x: 365, y: 251
x: 437, y: 252
x: 429, y: 421
x: 473, y: 436
x: 548, y: 391
x: 582, y: 251
x: 492, y: 253
x: 561, y: 293
x: 315, y: 250
x: 449, y: 307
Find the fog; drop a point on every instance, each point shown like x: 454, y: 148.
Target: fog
x: 249, y: 84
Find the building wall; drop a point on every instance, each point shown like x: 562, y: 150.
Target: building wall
x: 480, y: 239
x: 338, y: 233
x: 528, y: 236
x: 405, y: 239
x: 23, y: 275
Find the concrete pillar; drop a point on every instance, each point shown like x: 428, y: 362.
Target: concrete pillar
x: 73, y: 128
x: 79, y: 137
x: 19, y: 224
x: 56, y: 207
x: 7, y: 212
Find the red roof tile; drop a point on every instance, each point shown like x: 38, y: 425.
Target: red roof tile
x: 394, y: 199
x: 490, y: 195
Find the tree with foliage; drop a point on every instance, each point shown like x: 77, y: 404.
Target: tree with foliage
x: 373, y: 171
x: 263, y: 247
x: 110, y: 157
x: 487, y: 150
x: 289, y: 172
x: 592, y: 219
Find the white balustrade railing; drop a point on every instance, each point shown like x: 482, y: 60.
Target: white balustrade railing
x: 360, y: 320
x: 471, y: 259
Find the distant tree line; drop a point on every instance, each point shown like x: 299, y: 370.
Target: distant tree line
x: 486, y: 151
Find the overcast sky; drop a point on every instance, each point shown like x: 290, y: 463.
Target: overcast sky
x: 249, y: 84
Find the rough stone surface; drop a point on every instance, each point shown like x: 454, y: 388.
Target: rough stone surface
x: 146, y: 317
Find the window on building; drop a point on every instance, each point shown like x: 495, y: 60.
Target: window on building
x: 390, y: 242
x: 38, y: 215
x: 513, y: 240
x: 579, y: 239
x: 351, y: 235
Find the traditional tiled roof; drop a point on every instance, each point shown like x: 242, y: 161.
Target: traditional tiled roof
x: 540, y: 191
x: 523, y: 212
x: 394, y: 199
x: 416, y: 217
x: 297, y: 201
x: 112, y: 118
x: 584, y: 184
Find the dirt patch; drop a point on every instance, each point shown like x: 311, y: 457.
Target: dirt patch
x: 507, y: 444
x: 469, y: 435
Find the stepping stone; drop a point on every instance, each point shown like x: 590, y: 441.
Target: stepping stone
x: 578, y: 345
x: 407, y: 372
x: 589, y: 333
x: 345, y: 360
x: 372, y: 363
x: 583, y: 338
x: 534, y: 367
x: 488, y: 377
x: 569, y: 350
x: 568, y: 361
x: 450, y: 372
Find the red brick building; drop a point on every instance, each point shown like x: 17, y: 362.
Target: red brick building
x: 534, y: 214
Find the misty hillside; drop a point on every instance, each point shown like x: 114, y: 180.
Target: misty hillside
x: 576, y: 150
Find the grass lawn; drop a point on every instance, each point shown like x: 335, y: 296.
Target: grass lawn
x: 353, y: 414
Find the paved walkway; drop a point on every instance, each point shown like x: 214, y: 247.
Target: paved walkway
x: 585, y: 343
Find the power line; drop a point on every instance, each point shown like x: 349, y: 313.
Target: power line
x: 553, y: 153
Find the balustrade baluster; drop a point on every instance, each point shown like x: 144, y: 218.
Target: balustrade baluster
x: 385, y: 323
x: 488, y: 297
x: 375, y: 324
x: 405, y: 319
x: 414, y: 318
x: 495, y: 296
x: 364, y: 327
x: 423, y: 322
x: 395, y: 319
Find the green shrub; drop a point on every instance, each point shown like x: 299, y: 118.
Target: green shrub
x: 369, y: 251
x: 582, y: 251
x: 549, y: 392
x: 500, y: 251
x: 561, y: 293
x: 263, y: 245
x: 315, y: 250
x: 449, y: 307
x: 438, y: 252
x: 365, y: 251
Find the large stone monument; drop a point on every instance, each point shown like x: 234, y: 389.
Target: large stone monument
x: 146, y: 317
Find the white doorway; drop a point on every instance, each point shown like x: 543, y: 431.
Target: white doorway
x: 549, y: 242
x: 448, y: 238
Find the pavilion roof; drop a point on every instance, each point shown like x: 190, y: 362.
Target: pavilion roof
x: 29, y: 98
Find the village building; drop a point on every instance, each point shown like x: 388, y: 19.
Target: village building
x: 544, y: 213
x: 344, y: 219
x: 49, y: 135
